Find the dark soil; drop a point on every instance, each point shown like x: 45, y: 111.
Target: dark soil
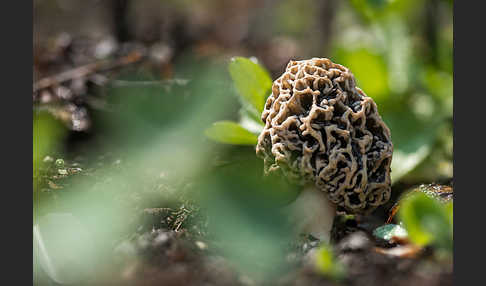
x: 169, y: 258
x: 171, y: 246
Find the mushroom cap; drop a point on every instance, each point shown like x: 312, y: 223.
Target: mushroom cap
x: 322, y: 129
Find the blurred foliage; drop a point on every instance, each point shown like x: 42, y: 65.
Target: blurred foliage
x: 369, y: 70
x: 163, y: 156
x: 427, y: 221
x: 155, y: 125
x: 245, y: 217
x: 327, y: 264
x: 404, y: 62
x: 64, y: 263
x: 375, y: 10
x: 292, y: 17
x: 412, y: 90
x: 412, y: 140
x: 48, y: 134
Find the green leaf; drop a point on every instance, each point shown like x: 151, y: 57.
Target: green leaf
x: 440, y: 86
x: 230, y: 133
x: 324, y: 260
x: 252, y: 82
x: 398, y: 55
x: 250, y: 122
x: 250, y: 125
x: 48, y: 132
x: 388, y: 231
x: 427, y: 221
x: 326, y: 263
x: 412, y: 142
x: 406, y: 161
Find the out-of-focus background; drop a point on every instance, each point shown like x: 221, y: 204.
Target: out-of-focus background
x: 400, y: 51
x: 124, y: 89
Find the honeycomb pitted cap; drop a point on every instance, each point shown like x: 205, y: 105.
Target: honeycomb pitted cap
x: 322, y: 129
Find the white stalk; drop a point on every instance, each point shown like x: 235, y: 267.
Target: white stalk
x: 312, y: 213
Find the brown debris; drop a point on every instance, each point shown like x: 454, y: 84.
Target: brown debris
x: 405, y: 251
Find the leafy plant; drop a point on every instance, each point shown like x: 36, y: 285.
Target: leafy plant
x: 252, y: 81
x: 412, y: 140
x: 253, y: 84
x: 231, y: 133
x: 384, y: 75
x: 427, y: 221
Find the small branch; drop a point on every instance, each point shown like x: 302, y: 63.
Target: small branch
x: 85, y: 70
x: 125, y: 83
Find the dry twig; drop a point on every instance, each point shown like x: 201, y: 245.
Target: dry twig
x: 83, y: 71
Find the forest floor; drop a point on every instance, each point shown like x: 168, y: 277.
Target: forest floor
x: 170, y: 244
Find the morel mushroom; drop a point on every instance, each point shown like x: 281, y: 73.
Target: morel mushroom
x: 321, y: 130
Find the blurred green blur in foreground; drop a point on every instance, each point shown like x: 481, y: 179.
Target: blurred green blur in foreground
x: 160, y: 152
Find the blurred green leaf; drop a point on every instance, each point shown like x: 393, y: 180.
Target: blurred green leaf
x: 404, y: 162
x: 250, y: 125
x: 440, y: 86
x: 61, y: 241
x: 245, y: 211
x: 324, y: 259
x: 438, y: 164
x: 252, y: 81
x: 47, y: 135
x: 272, y: 190
x: 231, y: 133
x: 412, y: 141
x: 370, y: 71
x: 326, y: 263
x: 388, y: 231
x: 250, y: 122
x: 398, y: 53
x: 246, y: 114
x: 377, y: 9
x: 450, y: 212
x: 427, y: 221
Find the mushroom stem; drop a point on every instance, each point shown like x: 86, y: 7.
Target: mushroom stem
x: 312, y: 213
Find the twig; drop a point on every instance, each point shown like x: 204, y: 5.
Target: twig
x: 85, y: 70
x: 125, y: 83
